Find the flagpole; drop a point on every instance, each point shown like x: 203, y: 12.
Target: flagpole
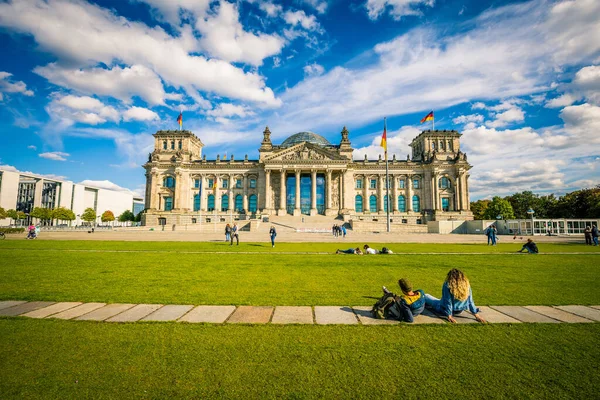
x: 387, y: 182
x: 432, y: 121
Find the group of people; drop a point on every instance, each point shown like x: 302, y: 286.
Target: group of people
x: 457, y: 297
x: 33, y: 231
x: 591, y: 235
x: 366, y: 250
x: 231, y: 232
x: 338, y: 230
x: 492, y: 235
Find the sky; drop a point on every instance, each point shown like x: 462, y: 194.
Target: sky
x: 85, y: 84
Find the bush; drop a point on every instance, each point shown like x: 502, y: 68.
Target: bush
x: 12, y: 230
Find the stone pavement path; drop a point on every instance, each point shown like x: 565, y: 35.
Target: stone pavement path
x: 320, y: 315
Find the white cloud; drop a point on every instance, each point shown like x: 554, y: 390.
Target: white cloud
x: 478, y: 106
x: 587, y: 82
x: 272, y: 10
x: 230, y: 110
x: 32, y: 147
x: 11, y: 168
x: 172, y: 10
x: 565, y: 99
x: 55, y: 155
x: 465, y: 119
x: 117, y: 82
x: 320, y: 6
x: 69, y: 109
x: 397, y: 8
x: 140, y: 114
x: 313, y: 70
x: 6, y: 86
x: 86, y: 34
x: 106, y: 184
x: 582, y: 122
x: 308, y: 22
x: 397, y: 142
x: 223, y: 36
x: 511, y: 115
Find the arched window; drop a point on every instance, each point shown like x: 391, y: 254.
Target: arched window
x: 449, y: 145
x: 432, y: 145
x: 385, y: 203
x: 444, y: 183
x: 172, y: 145
x: 239, y: 203
x: 252, y: 203
x: 358, y: 203
x: 442, y: 145
x: 373, y: 203
x: 401, y: 203
x: 211, y: 202
x: 416, y: 204
x: 180, y: 145
x: 224, y: 203
x: 169, y: 182
x: 416, y: 183
x: 164, y: 144
x: 197, y: 202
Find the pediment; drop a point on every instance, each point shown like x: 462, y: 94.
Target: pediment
x: 304, y: 152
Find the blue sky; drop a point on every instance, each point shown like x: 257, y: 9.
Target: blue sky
x: 84, y: 84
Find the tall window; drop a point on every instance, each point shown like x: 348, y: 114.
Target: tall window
x: 252, y: 200
x: 211, y: 183
x: 416, y: 183
x: 385, y: 203
x: 168, y: 203
x: 196, y: 183
x: 210, y: 202
x: 179, y: 145
x: 449, y: 145
x: 401, y: 183
x: 164, y: 144
x: 225, y: 183
x: 169, y: 182
x: 358, y: 203
x: 373, y: 184
x: 172, y: 145
x: 252, y: 183
x: 416, y: 204
x: 197, y: 202
x: 432, y: 145
x: 373, y: 203
x: 445, y: 204
x: 238, y: 183
x: 224, y: 203
x: 239, y: 203
x: 444, y: 183
x: 401, y: 203
x: 442, y: 145
x: 359, y: 184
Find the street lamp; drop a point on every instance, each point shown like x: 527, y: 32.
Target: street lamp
x: 531, y: 212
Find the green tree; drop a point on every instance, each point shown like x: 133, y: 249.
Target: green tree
x: 126, y: 216
x: 3, y: 213
x: 583, y: 203
x: 89, y: 215
x: 21, y: 215
x: 499, y: 207
x: 107, y: 216
x: 43, y: 214
x: 138, y: 217
x: 63, y: 214
x: 521, y: 202
x: 12, y: 214
x: 478, y: 208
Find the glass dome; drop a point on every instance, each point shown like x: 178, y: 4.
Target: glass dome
x: 309, y: 137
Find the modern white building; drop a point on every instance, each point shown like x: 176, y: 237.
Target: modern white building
x: 24, y: 191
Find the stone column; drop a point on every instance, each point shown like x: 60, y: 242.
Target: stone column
x: 467, y: 203
x: 282, y: 197
x: 245, y: 194
x: 366, y: 184
x: 380, y: 193
x: 230, y: 193
x: 341, y: 193
x: 178, y: 190
x: 313, y: 192
x: 394, y: 200
x: 268, y: 189
x: 154, y: 191
x: 409, y: 195
x: 328, y: 191
x: 217, y: 194
x: 297, y: 206
x: 457, y: 189
x: 436, y: 177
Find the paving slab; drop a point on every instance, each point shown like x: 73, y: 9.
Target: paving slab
x: 596, y: 307
x: 582, y: 311
x: 251, y: 315
x: 10, y: 303
x: 136, y: 313
x: 24, y: 308
x: 169, y: 312
x: 465, y: 317
x: 494, y: 317
x: 78, y: 311
x: 212, y: 314
x: 53, y: 309
x: 524, y: 315
x: 428, y: 317
x: 325, y: 315
x: 293, y: 315
x: 366, y: 318
x: 110, y: 310
x: 560, y: 315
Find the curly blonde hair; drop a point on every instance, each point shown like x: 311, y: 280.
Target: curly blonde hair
x: 458, y: 284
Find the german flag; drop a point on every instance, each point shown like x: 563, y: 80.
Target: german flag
x: 428, y: 117
x: 384, y: 137
x: 180, y: 119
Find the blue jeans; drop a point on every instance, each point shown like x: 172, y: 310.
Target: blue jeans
x: 595, y: 239
x: 407, y: 314
x: 272, y: 240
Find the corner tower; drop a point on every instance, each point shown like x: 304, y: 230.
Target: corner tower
x: 440, y: 145
x: 176, y: 146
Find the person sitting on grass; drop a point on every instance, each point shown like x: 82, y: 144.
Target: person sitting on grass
x: 530, y: 246
x: 370, y: 250
x: 409, y: 303
x: 457, y: 297
x: 350, y: 251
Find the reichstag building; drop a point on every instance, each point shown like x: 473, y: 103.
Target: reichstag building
x: 305, y: 175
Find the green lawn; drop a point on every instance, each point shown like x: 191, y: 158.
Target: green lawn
x: 49, y: 359
x: 215, y: 273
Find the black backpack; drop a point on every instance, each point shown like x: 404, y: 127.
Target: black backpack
x: 381, y: 309
x: 385, y: 250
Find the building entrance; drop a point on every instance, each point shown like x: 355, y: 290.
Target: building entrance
x: 305, y: 194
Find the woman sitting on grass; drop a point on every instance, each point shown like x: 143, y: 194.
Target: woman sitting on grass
x: 456, y: 297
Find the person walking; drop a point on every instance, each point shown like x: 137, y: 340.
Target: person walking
x: 489, y: 232
x: 227, y: 232
x: 272, y: 234
x: 234, y: 235
x: 343, y: 231
x: 588, y: 235
x: 595, y: 235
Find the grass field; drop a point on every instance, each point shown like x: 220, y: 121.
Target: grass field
x: 77, y: 359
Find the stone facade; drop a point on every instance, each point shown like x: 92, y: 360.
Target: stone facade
x: 306, y: 175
